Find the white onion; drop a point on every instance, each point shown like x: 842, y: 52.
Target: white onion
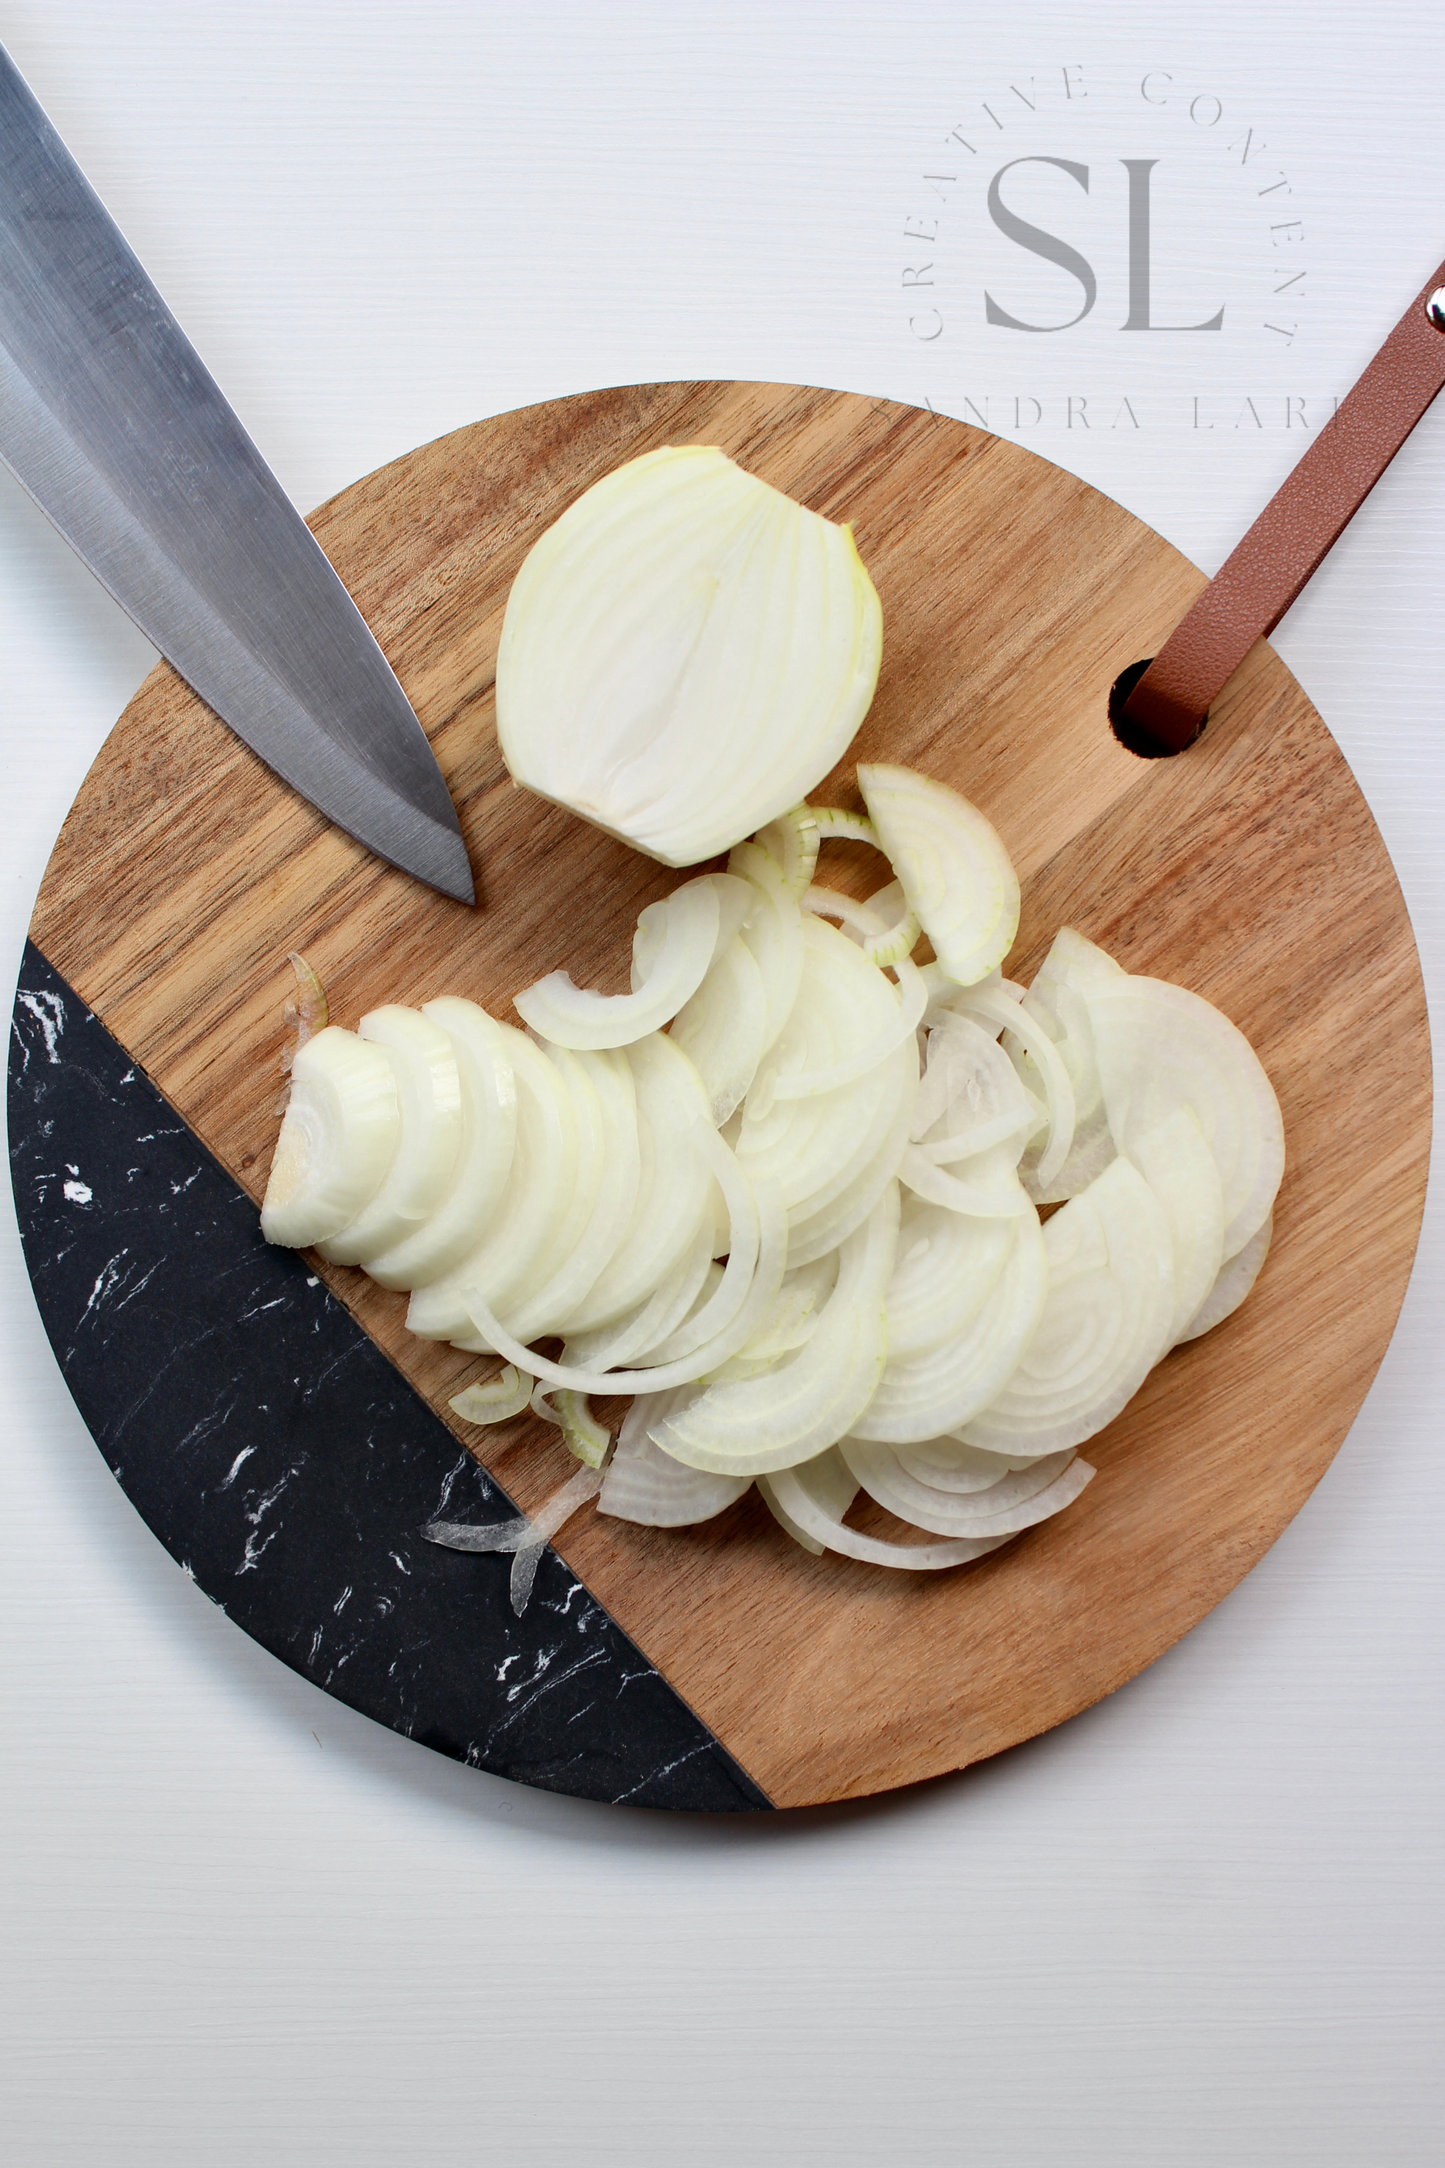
x: 945, y: 1267
x: 921, y: 1396
x: 638, y: 1331
x: 986, y: 1187
x: 646, y: 1485
x: 337, y: 1138
x: 749, y: 1426
x: 773, y: 935
x: 1105, y: 1323
x: 497, y: 1400
x: 1160, y: 1047
x: 723, y: 1028
x: 1012, y: 1503
x: 771, y: 1255
x: 1179, y: 1167
x: 535, y: 1221
x: 998, y: 1009
x: 684, y: 654
x: 1237, y: 1276
x: 946, y: 1464
x: 429, y: 1098
x: 587, y: 1249
x: 955, y: 872
x: 675, y: 1187
x: 805, y: 1501
x: 484, y: 1157
x: 578, y: 1017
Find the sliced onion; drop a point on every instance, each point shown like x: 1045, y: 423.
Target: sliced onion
x: 484, y: 1158
x: 971, y: 1098
x: 586, y: 1251
x: 750, y: 1426
x: 772, y: 1254
x: 945, y: 1464
x: 955, y: 872
x: 791, y: 842
x: 1105, y: 1323
x: 660, y: 1313
x: 429, y: 1097
x: 723, y: 1028
x: 337, y: 1139
x: 987, y: 1188
x: 578, y: 1017
x: 1236, y: 1277
x: 684, y: 654
x: 1179, y: 1167
x: 991, y: 1005
x: 946, y: 1266
x: 308, y: 1014
x: 803, y: 1499
x: 920, y: 1397
x: 675, y: 1191
x: 1160, y: 1047
x: 497, y: 1400
x: 773, y: 935
x: 536, y: 1218
x: 1013, y: 1502
x: 585, y: 1438
x: 832, y: 1488
x: 646, y: 1485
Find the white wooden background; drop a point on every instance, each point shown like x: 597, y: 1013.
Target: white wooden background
x: 1202, y: 1923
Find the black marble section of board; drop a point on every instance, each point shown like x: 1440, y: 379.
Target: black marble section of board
x: 288, y: 1466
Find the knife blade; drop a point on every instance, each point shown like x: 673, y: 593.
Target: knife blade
x: 112, y: 423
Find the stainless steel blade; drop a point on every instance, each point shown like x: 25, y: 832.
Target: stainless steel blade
x: 110, y: 420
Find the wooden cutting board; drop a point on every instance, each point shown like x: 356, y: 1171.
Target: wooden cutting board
x: 1248, y: 869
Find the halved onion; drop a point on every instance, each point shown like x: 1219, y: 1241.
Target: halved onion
x: 684, y: 654
x: 429, y: 1097
x: 337, y: 1138
x: 956, y: 874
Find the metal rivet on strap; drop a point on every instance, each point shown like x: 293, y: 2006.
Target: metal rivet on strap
x: 1435, y: 308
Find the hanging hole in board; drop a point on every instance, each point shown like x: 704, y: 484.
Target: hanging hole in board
x: 1130, y: 734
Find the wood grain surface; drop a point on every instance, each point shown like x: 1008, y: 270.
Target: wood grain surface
x: 1248, y: 869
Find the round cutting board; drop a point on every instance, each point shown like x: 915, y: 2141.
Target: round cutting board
x: 286, y: 1445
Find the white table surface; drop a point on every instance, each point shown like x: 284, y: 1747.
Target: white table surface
x: 1200, y: 1924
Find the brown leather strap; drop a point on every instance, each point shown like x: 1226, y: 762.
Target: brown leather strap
x: 1258, y: 582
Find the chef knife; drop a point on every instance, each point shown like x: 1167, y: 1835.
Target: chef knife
x: 112, y: 423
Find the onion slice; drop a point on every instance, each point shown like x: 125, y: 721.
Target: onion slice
x: 1105, y: 1323
x: 429, y: 1098
x: 955, y: 872
x: 800, y: 1498
x: 646, y: 1485
x: 337, y: 1138
x: 1014, y: 1502
x: 1236, y: 1277
x: 752, y: 1426
x: 497, y: 1400
x: 578, y: 1017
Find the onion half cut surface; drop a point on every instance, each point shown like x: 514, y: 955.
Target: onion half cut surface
x: 685, y: 652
